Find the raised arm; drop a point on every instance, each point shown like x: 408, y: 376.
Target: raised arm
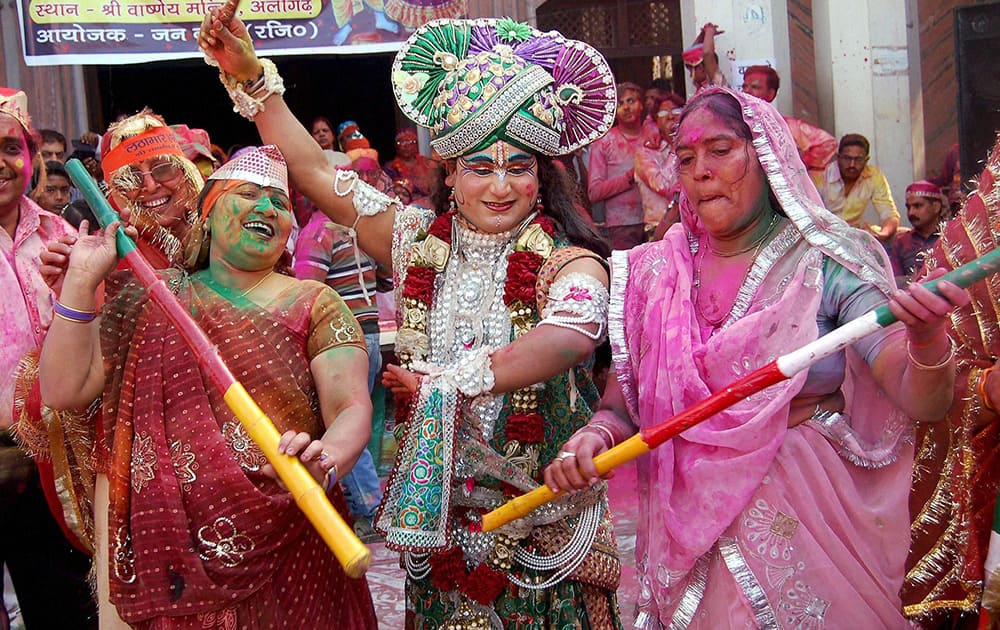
x: 71, y: 366
x: 230, y: 46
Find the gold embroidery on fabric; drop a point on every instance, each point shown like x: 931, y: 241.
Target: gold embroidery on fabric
x: 784, y: 525
x: 247, y: 454
x: 184, y: 463
x: 221, y: 541
x: 143, y: 462
x: 343, y: 329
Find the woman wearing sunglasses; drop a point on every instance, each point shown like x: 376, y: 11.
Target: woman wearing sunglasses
x: 148, y: 175
x: 157, y: 188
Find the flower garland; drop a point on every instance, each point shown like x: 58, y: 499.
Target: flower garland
x: 525, y: 425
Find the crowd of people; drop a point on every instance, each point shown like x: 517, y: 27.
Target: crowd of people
x: 553, y: 218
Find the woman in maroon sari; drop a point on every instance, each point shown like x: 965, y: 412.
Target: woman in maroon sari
x: 201, y: 535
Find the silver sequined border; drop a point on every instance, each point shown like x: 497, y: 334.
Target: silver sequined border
x: 729, y: 549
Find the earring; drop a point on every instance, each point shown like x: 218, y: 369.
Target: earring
x: 539, y: 206
x: 452, y: 206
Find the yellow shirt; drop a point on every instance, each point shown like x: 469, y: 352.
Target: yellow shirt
x: 872, y: 187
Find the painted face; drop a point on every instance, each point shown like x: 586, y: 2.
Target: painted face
x: 250, y: 226
x: 53, y: 151
x: 755, y: 84
x: 15, y: 163
x: 924, y: 213
x: 666, y: 119
x: 720, y: 174
x: 55, y: 194
x: 495, y: 189
x: 629, y: 107
x: 406, y: 147
x: 322, y: 134
x: 157, y: 188
x: 852, y: 161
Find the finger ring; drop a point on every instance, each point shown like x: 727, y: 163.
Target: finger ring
x: 565, y: 455
x: 330, y: 479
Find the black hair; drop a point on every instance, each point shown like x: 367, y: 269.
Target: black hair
x: 51, y: 135
x: 54, y: 167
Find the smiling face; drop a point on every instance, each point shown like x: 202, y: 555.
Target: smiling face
x: 15, y: 164
x: 250, y: 226
x: 495, y: 189
x: 157, y: 189
x: 322, y: 134
x: 720, y: 174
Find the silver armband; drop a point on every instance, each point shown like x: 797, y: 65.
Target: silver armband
x: 368, y: 201
x: 577, y: 300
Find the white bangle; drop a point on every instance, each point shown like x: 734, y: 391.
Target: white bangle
x: 250, y: 104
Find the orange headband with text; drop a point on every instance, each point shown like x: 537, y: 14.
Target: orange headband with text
x: 153, y: 142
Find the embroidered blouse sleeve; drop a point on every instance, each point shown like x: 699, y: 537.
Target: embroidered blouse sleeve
x: 332, y: 325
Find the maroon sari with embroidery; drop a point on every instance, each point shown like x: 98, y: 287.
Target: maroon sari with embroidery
x: 199, y: 537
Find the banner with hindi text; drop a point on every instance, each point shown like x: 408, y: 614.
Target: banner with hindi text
x: 58, y: 32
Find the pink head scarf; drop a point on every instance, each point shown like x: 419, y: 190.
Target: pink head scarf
x: 794, y: 189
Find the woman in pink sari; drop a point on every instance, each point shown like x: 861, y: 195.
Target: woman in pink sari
x: 790, y: 508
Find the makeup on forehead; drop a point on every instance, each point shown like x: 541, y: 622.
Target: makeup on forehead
x: 492, y: 158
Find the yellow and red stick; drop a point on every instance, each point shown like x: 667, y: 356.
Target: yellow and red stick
x: 308, y: 494
x: 782, y: 368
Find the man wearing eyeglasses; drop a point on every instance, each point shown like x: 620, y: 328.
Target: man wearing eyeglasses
x: 850, y: 184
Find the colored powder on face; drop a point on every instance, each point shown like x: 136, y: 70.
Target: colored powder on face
x: 23, y: 164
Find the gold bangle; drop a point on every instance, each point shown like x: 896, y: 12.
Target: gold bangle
x: 930, y: 368
x: 71, y: 320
